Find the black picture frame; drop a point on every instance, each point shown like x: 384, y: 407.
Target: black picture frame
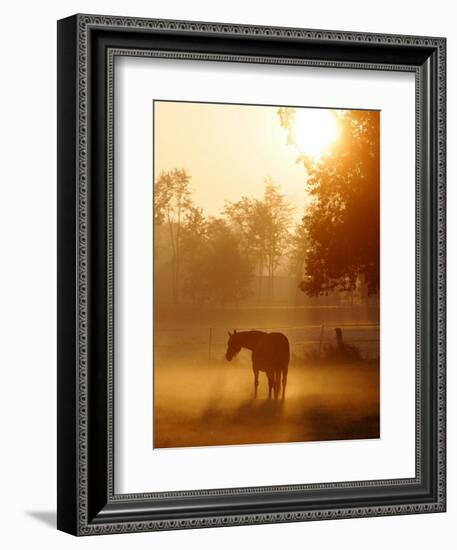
x: 87, y: 503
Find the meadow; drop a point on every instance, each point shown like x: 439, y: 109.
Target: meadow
x: 201, y: 399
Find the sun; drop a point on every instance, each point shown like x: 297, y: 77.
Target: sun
x: 314, y: 131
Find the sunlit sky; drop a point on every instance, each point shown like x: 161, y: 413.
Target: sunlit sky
x: 228, y: 150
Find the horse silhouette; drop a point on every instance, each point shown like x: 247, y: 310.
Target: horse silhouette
x: 270, y: 354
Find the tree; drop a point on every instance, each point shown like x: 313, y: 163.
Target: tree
x: 245, y: 218
x: 194, y: 242
x: 263, y: 229
x: 340, y: 228
x: 298, y: 250
x: 216, y: 270
x: 172, y: 201
x: 277, y: 218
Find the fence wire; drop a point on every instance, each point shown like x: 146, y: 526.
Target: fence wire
x: 303, y: 339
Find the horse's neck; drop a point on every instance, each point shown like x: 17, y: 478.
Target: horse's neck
x: 250, y: 339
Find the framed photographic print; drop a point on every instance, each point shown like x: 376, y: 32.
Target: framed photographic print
x: 251, y: 274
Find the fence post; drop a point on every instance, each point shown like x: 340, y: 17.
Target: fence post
x: 339, y: 338
x: 210, y: 343
x: 320, y: 339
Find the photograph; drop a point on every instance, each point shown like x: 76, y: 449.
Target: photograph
x: 266, y: 276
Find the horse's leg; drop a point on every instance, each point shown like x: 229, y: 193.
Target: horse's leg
x: 256, y: 381
x: 277, y: 379
x: 270, y: 384
x: 284, y: 382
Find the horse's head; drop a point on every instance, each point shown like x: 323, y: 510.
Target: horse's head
x: 233, y: 345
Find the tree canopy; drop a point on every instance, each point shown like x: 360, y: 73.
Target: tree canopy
x: 340, y: 227
x: 216, y: 270
x: 172, y: 202
x: 263, y: 225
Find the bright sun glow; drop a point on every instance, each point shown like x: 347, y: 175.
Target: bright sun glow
x: 314, y: 131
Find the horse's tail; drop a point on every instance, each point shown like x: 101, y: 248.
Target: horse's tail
x: 280, y: 357
x: 284, y: 371
x: 285, y: 366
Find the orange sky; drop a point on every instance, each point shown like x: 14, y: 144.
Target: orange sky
x: 228, y: 150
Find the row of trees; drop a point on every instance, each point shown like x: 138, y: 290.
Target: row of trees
x: 214, y: 259
x: 263, y: 227
x: 333, y: 248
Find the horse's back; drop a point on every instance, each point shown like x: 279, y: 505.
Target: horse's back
x: 273, y: 351
x: 280, y: 344
x: 279, y: 339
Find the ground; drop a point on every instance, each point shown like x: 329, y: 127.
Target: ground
x: 213, y: 404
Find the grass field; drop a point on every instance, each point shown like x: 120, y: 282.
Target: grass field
x: 213, y: 404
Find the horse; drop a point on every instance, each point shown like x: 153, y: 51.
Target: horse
x: 270, y: 354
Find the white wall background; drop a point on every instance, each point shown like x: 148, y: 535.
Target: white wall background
x: 28, y: 271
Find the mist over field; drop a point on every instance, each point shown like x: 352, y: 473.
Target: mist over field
x: 202, y: 399
x: 216, y: 406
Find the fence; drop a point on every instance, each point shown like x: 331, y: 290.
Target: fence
x: 304, y: 340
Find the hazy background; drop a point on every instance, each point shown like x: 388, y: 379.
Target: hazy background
x: 228, y: 149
